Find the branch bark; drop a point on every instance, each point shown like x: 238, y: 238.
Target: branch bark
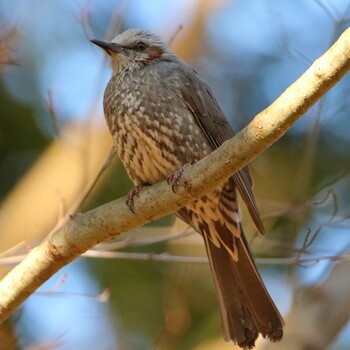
x: 83, y: 231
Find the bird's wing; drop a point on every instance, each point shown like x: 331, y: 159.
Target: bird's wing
x: 209, y: 116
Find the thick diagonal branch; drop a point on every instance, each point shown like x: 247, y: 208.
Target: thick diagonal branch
x: 83, y: 231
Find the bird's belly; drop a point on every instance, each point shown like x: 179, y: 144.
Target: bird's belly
x: 153, y: 148
x: 146, y: 158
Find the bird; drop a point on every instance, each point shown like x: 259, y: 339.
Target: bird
x: 162, y: 117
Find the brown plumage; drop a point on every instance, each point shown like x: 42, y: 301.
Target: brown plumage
x: 162, y: 115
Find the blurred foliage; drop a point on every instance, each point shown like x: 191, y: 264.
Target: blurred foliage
x: 248, y: 52
x: 21, y: 140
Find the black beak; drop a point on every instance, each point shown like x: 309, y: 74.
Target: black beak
x: 108, y: 47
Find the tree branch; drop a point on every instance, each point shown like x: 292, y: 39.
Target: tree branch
x: 83, y: 231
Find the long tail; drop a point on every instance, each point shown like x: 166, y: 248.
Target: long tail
x: 245, y: 305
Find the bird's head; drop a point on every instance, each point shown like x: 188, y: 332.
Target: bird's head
x: 134, y: 48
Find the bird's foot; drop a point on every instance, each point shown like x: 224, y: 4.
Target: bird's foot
x: 174, y: 178
x: 132, y: 194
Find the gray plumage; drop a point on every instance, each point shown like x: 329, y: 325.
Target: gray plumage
x: 162, y: 115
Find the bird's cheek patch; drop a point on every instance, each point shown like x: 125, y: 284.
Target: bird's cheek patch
x: 154, y: 52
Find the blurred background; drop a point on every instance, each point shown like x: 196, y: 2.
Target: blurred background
x: 54, y: 146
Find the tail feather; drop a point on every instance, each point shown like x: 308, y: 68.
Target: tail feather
x: 245, y: 305
x: 267, y: 317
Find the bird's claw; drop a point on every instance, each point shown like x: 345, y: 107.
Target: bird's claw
x: 131, y: 195
x: 174, y: 178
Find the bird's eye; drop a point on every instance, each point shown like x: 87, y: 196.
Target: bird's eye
x: 141, y: 46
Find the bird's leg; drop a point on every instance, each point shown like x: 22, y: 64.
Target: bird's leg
x: 131, y: 195
x: 174, y: 178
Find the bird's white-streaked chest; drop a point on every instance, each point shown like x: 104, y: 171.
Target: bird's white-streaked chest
x: 153, y: 132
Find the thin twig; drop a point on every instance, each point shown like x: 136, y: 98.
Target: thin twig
x: 10, y: 251
x: 165, y: 257
x: 103, y: 297
x: 172, y: 38
x: 328, y: 11
x: 203, y: 260
x: 60, y: 283
x: 85, y: 192
x: 134, y: 242
x: 49, y: 106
